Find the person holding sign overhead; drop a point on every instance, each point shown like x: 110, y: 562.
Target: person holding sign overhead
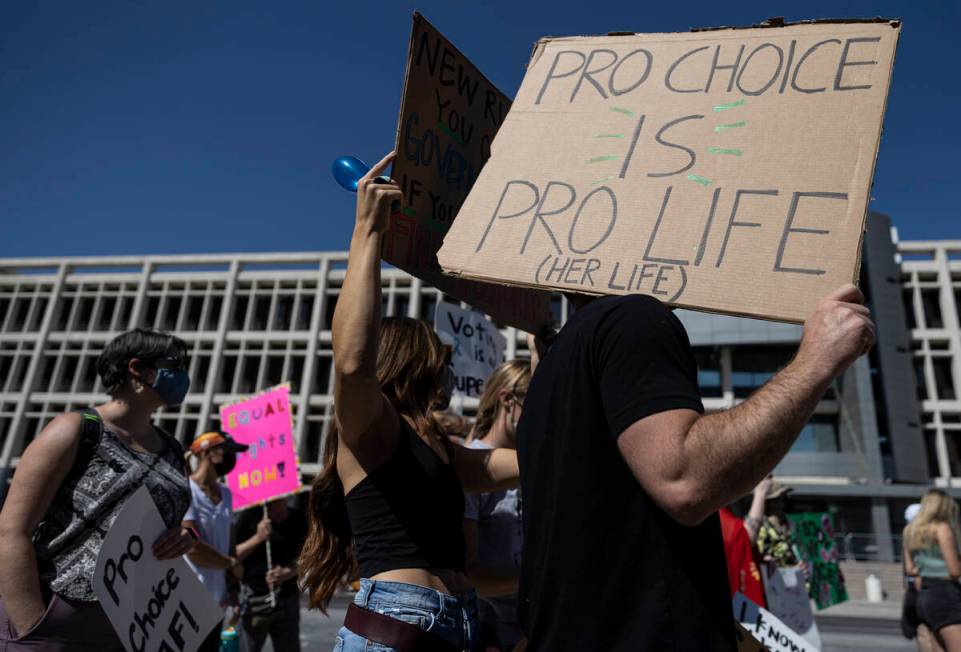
x: 614, y: 440
x: 72, y: 482
x: 390, y: 501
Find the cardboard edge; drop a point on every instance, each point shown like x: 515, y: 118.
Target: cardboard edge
x: 416, y: 16
x: 770, y: 23
x: 518, y: 284
x: 856, y: 272
x: 778, y: 21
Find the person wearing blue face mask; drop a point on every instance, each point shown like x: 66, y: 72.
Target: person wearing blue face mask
x: 72, y: 482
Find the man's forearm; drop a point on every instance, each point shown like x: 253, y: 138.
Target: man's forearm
x: 20, y: 583
x: 731, y: 451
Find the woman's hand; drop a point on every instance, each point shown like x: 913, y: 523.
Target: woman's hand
x: 175, y: 542
x: 374, y: 198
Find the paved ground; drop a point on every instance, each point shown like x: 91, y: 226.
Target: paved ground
x: 850, y: 627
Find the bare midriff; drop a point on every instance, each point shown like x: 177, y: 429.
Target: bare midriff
x: 451, y: 582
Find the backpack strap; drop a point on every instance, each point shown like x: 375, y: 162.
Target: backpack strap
x: 91, y: 430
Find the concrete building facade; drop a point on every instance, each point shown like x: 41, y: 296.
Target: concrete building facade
x: 887, y: 428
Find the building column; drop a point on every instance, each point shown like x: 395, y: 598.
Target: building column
x: 16, y: 434
x: 216, y: 356
x: 881, y: 525
x: 310, y: 363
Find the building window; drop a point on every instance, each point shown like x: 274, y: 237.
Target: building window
x: 819, y: 435
x: 709, y: 371
x: 908, y: 296
x: 931, y: 300
x: 931, y: 448
x: 919, y: 377
x: 943, y: 378
x: 752, y: 366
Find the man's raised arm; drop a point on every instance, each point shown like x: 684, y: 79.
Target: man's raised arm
x: 692, y: 465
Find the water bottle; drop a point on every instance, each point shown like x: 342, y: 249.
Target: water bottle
x: 348, y: 170
x: 229, y: 640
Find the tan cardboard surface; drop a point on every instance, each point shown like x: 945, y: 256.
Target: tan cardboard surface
x: 725, y: 170
x: 448, y: 117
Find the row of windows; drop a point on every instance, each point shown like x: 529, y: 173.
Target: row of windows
x: 275, y: 306
x: 931, y: 308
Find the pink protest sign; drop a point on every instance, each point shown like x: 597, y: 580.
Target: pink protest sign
x: 269, y: 468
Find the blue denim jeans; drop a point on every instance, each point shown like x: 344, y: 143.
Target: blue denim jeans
x: 452, y: 619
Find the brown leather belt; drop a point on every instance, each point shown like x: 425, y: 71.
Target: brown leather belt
x: 392, y: 632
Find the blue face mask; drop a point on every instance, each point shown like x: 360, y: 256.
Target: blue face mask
x: 172, y: 385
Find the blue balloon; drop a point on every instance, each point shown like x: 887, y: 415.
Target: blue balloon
x: 348, y: 170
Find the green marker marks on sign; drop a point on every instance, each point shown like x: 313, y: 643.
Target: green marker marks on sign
x: 598, y: 159
x: 721, y: 150
x: 608, y: 135
x: 699, y: 179
x: 729, y: 105
x: 627, y: 112
x: 732, y: 125
x: 409, y: 212
x: 602, y: 180
x: 447, y: 130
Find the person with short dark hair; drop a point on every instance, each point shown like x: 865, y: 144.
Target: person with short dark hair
x: 72, y: 482
x: 623, y: 474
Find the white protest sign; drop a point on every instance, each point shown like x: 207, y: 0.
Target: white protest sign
x: 767, y: 628
x: 787, y: 598
x: 155, y: 606
x: 478, y: 346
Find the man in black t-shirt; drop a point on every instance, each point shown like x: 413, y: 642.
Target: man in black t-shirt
x: 622, y: 474
x: 287, y: 530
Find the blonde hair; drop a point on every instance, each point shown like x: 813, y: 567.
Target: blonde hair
x: 936, y: 507
x: 513, y: 376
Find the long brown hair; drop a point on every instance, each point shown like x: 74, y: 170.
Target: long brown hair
x: 410, y: 364
x: 936, y: 507
x: 513, y: 376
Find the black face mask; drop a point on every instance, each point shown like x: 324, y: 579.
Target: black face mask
x: 227, y: 465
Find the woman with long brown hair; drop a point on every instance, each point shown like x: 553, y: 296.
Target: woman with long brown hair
x: 389, y: 503
x: 931, y: 553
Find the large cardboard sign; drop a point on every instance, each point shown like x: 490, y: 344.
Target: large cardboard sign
x: 814, y: 533
x: 449, y: 114
x: 270, y: 467
x: 155, y: 606
x: 787, y: 598
x: 726, y: 170
x: 764, y: 626
x: 478, y: 347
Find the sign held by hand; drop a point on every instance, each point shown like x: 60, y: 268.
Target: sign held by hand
x: 724, y: 170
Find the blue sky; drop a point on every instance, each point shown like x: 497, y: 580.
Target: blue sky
x: 146, y: 127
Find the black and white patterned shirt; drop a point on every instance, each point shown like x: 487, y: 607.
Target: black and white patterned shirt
x: 107, y: 472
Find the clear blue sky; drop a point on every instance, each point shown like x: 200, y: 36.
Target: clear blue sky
x: 167, y: 127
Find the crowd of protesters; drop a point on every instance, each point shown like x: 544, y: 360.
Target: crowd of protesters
x: 584, y: 509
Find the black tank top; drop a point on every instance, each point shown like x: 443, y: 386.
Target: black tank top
x: 409, y: 512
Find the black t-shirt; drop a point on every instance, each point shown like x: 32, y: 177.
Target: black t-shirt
x: 286, y: 540
x: 603, y: 567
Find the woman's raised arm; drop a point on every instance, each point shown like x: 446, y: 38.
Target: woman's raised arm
x: 359, y: 405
